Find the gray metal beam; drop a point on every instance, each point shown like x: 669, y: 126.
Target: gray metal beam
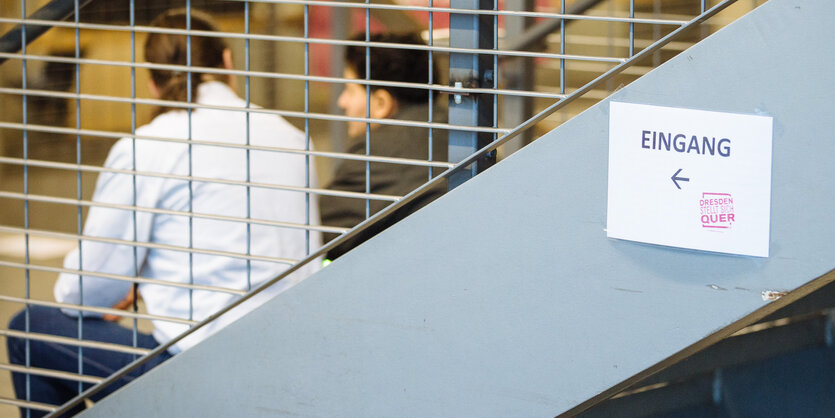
x: 538, y: 314
x: 471, y: 70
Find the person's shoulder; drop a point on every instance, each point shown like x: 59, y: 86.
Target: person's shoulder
x: 168, y: 123
x: 419, y: 111
x: 155, y: 142
x: 276, y: 131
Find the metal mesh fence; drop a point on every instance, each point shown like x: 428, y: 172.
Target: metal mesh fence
x: 216, y: 200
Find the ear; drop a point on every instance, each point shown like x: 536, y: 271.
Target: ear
x: 152, y: 87
x: 383, y: 104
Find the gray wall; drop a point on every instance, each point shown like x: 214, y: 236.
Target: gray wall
x: 505, y: 298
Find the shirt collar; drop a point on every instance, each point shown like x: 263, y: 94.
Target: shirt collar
x: 215, y: 93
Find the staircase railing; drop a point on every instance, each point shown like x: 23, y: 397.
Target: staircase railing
x: 15, y: 38
x: 622, y: 65
x: 547, y: 40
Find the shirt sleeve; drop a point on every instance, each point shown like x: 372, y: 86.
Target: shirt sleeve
x: 102, y: 222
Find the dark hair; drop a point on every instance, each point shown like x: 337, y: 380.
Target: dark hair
x: 164, y: 48
x: 394, y: 64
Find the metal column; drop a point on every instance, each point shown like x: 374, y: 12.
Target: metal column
x: 471, y: 70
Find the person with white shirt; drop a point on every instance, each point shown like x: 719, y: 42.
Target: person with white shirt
x: 215, y: 248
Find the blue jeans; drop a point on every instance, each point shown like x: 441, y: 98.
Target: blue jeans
x: 49, y: 355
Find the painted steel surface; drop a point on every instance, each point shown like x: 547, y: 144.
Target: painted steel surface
x: 547, y: 312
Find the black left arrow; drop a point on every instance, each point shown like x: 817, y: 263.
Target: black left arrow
x: 677, y: 179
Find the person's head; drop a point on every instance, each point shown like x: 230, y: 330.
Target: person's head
x: 386, y: 64
x: 164, y: 48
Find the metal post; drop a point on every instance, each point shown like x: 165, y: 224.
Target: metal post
x: 470, y: 70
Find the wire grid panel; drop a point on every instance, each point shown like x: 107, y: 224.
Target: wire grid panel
x: 76, y: 89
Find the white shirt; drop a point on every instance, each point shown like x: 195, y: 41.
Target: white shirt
x: 206, y: 161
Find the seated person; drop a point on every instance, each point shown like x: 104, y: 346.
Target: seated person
x: 172, y: 235
x: 387, y: 64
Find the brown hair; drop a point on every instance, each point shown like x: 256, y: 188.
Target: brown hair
x: 164, y: 48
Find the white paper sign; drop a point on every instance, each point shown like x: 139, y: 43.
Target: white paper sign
x: 690, y: 178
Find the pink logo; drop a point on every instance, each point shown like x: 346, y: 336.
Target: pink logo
x: 717, y: 210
